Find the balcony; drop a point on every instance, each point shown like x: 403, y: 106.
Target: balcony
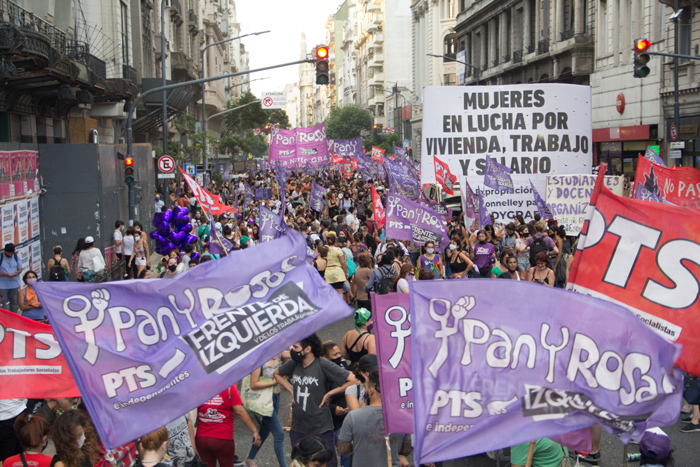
x: 543, y: 47
x: 376, y: 60
x: 193, y: 22
x: 566, y: 35
x: 373, y: 5
x: 518, y: 56
x: 182, y: 67
x: 129, y: 73
x: 376, y: 23
x: 376, y: 80
x: 378, y: 37
x: 377, y: 99
x: 176, y: 12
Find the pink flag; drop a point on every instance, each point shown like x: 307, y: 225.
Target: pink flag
x: 379, y: 213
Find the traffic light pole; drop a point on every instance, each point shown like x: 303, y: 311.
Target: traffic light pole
x: 676, y: 106
x: 141, y: 96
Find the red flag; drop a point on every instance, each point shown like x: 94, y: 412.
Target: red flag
x: 379, y: 213
x: 645, y: 256
x: 336, y: 159
x: 444, y: 177
x: 680, y: 186
x: 353, y: 163
x: 377, y: 154
x: 31, y: 362
x: 207, y: 200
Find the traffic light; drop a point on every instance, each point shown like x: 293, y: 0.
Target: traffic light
x: 129, y: 170
x: 322, y: 71
x: 641, y: 58
x: 267, y: 128
x: 377, y: 127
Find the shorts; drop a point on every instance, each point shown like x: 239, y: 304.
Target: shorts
x: 141, y: 262
x: 338, y: 285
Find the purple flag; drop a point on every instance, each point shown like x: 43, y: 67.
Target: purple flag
x: 400, y: 181
x: 293, y: 148
x: 272, y: 226
x: 392, y: 329
x: 652, y: 153
x: 470, y: 201
x: 218, y: 245
x: 316, y: 197
x: 408, y: 220
x: 542, y: 207
x: 364, y: 167
x: 151, y: 350
x: 281, y: 176
x: 350, y: 148
x: 484, y: 218
x: 645, y: 195
x: 263, y: 193
x: 248, y: 195
x: 497, y: 176
x: 487, y: 360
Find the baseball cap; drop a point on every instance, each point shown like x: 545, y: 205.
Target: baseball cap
x: 655, y: 445
x: 89, y: 239
x: 368, y: 363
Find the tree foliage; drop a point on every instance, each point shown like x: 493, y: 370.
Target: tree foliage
x: 197, y: 140
x: 348, y: 122
x: 386, y: 142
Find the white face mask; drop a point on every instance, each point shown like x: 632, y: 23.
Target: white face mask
x: 453, y: 247
x: 31, y: 280
x: 430, y: 250
x: 81, y: 441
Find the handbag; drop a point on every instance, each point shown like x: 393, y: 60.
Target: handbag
x: 258, y: 401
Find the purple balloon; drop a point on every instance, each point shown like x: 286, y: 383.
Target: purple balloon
x: 177, y: 237
x: 167, y: 215
x: 188, y: 228
x: 181, y: 220
x: 191, y: 239
x: 158, y: 218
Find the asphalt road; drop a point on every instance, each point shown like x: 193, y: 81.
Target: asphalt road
x: 686, y: 445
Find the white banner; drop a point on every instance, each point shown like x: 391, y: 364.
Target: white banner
x: 534, y: 129
x: 568, y: 196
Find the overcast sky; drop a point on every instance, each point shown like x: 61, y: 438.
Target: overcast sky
x: 286, y: 19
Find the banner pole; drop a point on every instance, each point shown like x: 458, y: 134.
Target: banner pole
x: 530, y: 454
x: 388, y: 451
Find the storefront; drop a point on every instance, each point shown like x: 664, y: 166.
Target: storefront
x: 620, y: 146
x: 687, y: 142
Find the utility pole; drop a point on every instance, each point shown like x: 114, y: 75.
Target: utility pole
x: 166, y: 182
x: 676, y: 40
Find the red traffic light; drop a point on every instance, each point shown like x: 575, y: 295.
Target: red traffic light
x: 642, y: 45
x: 322, y: 52
x: 129, y: 161
x: 267, y: 127
x: 375, y: 126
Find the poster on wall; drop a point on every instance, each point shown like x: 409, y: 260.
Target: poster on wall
x: 17, y: 171
x: 23, y: 208
x: 533, y: 129
x: 8, y: 223
x: 35, y: 248
x: 34, y: 217
x: 568, y: 196
x: 6, y: 187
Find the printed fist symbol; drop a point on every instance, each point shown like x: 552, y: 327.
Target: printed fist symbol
x: 463, y: 306
x: 100, y: 299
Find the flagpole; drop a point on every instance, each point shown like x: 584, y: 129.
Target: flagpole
x: 530, y: 454
x: 215, y: 233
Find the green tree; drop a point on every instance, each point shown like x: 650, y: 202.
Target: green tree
x: 348, y: 122
x: 386, y: 142
x: 185, y: 125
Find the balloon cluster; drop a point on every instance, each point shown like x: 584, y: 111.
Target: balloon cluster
x: 172, y: 230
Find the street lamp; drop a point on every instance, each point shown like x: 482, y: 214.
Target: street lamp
x: 476, y: 68
x: 205, y: 161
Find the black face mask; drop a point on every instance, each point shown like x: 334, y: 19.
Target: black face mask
x: 296, y: 356
x: 483, y: 242
x: 338, y: 361
x: 172, y: 267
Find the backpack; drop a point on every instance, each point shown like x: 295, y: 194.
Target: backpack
x: 2, y: 257
x: 386, y: 282
x: 309, y: 243
x: 536, y: 246
x: 57, y: 273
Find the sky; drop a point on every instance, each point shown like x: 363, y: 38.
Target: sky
x: 286, y: 19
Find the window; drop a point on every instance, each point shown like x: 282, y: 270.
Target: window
x: 603, y: 30
x: 124, y: 33
x: 450, y: 49
x: 685, y: 32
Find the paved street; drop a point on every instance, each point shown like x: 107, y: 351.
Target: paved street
x: 686, y: 445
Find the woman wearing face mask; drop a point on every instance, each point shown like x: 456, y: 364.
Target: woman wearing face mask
x: 138, y: 258
x: 33, y: 435
x: 484, y: 254
x: 333, y: 204
x: 431, y: 261
x: 405, y: 275
x: 75, y: 440
x: 512, y: 268
x: 522, y: 251
x: 359, y: 342
x: 308, y: 374
x: 541, y: 273
x: 337, y: 404
x: 459, y: 261
x: 173, y: 269
x: 152, y: 448
x: 128, y: 248
x: 28, y: 301
x: 272, y: 423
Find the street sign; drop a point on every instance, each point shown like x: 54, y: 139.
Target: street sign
x: 674, y: 133
x: 274, y: 100
x: 166, y: 164
x: 676, y: 154
x: 257, y: 131
x: 166, y: 175
x: 677, y: 145
x: 191, y: 170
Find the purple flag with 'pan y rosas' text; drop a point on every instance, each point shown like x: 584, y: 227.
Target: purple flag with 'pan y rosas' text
x: 153, y: 349
x: 490, y: 371
x: 408, y: 220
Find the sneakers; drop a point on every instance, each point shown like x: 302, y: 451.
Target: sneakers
x: 250, y: 463
x: 687, y: 419
x: 237, y: 462
x: 687, y: 408
x: 590, y: 457
x: 690, y: 428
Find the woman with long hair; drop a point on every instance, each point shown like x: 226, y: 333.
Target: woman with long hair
x: 359, y: 342
x: 75, y: 440
x: 152, y: 448
x: 311, y: 451
x: 28, y: 300
x: 320, y: 262
x: 336, y: 265
x: 430, y: 260
x: 405, y: 275
x: 458, y: 259
x: 361, y: 278
x: 33, y: 434
x: 541, y: 273
x: 80, y: 246
x: 140, y: 256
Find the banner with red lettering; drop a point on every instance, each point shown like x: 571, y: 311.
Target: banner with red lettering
x: 379, y: 213
x: 210, y: 202
x: 32, y: 364
x: 444, y: 177
x: 377, y: 154
x: 646, y: 257
x: 680, y: 186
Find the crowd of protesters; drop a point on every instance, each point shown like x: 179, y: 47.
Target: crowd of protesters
x: 338, y: 420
